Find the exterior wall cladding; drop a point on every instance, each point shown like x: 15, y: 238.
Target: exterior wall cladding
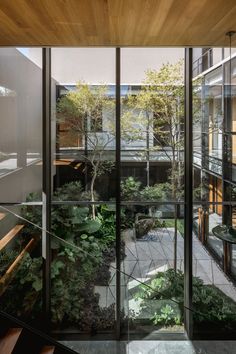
x: 21, y: 123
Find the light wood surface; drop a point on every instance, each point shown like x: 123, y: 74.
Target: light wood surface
x: 47, y: 349
x: 8, y: 342
x: 116, y: 22
x: 10, y: 235
x: 60, y: 162
x: 7, y: 277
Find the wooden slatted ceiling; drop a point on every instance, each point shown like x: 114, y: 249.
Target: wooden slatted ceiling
x: 116, y: 22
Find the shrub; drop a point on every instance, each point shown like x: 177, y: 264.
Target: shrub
x: 209, y: 303
x: 130, y: 189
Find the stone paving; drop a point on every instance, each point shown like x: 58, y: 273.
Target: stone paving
x: 153, y: 347
x: 154, y: 253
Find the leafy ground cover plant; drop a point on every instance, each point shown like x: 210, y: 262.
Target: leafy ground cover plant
x: 6, y: 258
x: 210, y: 304
x: 76, y: 267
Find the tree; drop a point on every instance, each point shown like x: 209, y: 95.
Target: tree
x: 160, y: 104
x: 82, y: 110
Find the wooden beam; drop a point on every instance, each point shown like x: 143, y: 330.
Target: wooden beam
x: 6, y: 278
x: 10, y: 235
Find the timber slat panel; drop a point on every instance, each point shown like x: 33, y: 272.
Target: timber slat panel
x: 10, y: 235
x: 8, y: 342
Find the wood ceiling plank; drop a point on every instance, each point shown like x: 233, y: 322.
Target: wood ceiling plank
x: 116, y: 22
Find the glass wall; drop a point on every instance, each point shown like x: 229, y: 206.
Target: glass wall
x: 83, y: 294
x: 214, y: 292
x: 93, y: 291
x: 152, y: 189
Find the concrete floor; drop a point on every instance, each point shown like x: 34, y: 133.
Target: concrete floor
x: 153, y: 347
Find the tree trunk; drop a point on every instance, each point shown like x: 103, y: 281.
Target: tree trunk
x: 92, y: 193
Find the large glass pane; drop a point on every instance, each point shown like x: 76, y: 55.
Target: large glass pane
x: 152, y: 161
x: 153, y: 267
x: 83, y: 125
x: 83, y: 211
x: 214, y: 292
x: 83, y: 268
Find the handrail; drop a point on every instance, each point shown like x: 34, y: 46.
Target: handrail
x: 37, y: 332
x: 123, y: 203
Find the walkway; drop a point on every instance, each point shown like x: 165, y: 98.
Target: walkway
x: 154, y: 253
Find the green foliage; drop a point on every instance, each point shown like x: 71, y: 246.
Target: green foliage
x: 83, y: 102
x: 73, y: 191
x: 69, y: 191
x: 69, y: 222
x: 127, y: 218
x: 71, y: 274
x: 25, y: 289
x: 209, y: 303
x: 107, y: 232
x: 130, y: 189
x: 170, y: 223
x: 154, y: 193
x: 160, y: 106
x: 6, y: 258
x: 81, y: 111
x: 74, y: 267
x: 166, y: 316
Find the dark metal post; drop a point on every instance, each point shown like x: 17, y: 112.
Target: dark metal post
x: 227, y: 144
x: 118, y: 207
x: 86, y: 151
x: 46, y: 208
x: 188, y: 208
x: 205, y: 143
x: 148, y: 151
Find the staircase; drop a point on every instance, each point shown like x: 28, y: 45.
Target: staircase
x: 9, y: 232
x: 17, y: 337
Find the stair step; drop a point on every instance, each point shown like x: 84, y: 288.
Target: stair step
x: 6, y: 278
x: 7, y: 222
x: 10, y: 235
x: 2, y: 216
x: 47, y: 349
x: 8, y: 342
